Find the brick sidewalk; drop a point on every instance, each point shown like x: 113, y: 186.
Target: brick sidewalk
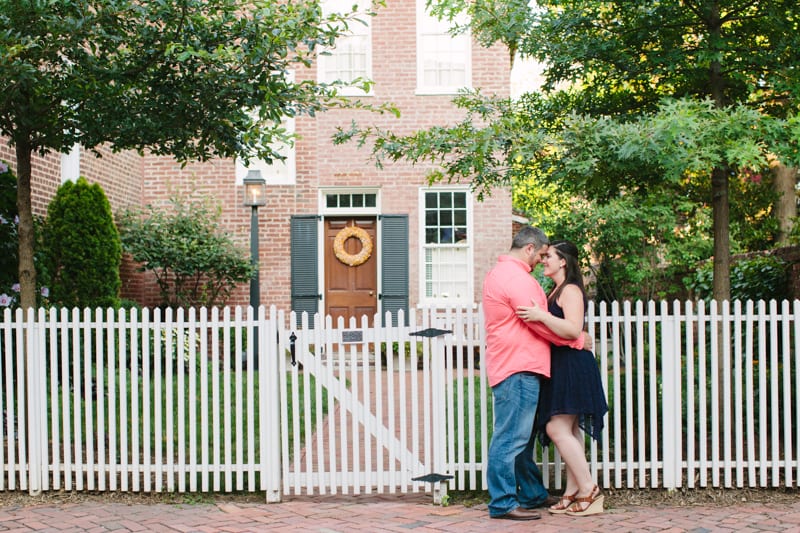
x: 398, y: 513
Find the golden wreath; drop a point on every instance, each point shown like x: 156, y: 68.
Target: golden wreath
x: 341, y: 238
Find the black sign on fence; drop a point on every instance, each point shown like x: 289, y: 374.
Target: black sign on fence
x: 352, y: 336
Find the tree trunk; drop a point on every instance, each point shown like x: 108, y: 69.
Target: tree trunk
x: 722, y: 246
x: 27, y: 268
x: 720, y: 200
x: 786, y: 206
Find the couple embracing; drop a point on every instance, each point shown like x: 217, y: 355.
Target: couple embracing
x: 537, y: 355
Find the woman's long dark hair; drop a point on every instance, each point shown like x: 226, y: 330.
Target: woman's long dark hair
x: 569, y: 253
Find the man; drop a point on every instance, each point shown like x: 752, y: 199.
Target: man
x: 517, y: 357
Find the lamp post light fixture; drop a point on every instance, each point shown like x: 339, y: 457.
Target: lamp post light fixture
x: 255, y: 195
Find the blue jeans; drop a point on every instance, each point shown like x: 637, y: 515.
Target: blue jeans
x: 514, y: 479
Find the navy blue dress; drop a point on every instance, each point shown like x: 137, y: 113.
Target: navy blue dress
x: 574, y: 388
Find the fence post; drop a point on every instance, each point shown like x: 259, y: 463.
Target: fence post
x: 36, y: 412
x: 670, y: 398
x: 438, y: 386
x: 269, y: 332
x: 438, y: 408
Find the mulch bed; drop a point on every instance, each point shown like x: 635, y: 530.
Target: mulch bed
x: 614, y: 497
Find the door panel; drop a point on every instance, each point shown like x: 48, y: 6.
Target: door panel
x: 351, y: 291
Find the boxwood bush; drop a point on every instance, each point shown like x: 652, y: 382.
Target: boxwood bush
x: 82, y: 247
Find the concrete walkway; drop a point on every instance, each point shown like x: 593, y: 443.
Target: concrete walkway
x: 397, y: 513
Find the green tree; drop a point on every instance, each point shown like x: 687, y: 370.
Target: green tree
x: 610, y: 64
x: 82, y: 247
x: 194, y: 263
x: 194, y: 79
x: 629, y: 55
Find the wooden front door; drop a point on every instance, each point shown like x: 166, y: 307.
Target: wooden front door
x: 351, y: 291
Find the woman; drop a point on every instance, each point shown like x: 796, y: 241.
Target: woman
x: 574, y: 399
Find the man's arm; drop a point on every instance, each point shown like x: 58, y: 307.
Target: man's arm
x: 541, y: 330
x: 537, y: 295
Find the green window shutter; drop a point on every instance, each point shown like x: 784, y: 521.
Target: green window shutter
x: 305, y: 265
x: 394, y: 265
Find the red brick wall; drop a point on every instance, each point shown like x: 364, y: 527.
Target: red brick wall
x: 45, y: 176
x: 118, y: 174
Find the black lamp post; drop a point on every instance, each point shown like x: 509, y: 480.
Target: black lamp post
x: 255, y: 195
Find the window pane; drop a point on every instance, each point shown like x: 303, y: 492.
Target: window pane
x: 446, y: 199
x: 446, y: 218
x: 431, y: 217
x: 431, y: 200
x: 371, y: 200
x: 446, y: 236
x: 330, y: 200
x: 460, y: 200
x: 344, y: 200
x: 431, y: 235
x: 446, y: 273
x: 349, y: 58
x: 460, y: 217
x: 358, y: 200
x: 442, y: 57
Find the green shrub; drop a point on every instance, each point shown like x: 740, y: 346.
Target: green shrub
x: 758, y: 278
x: 194, y: 263
x: 82, y: 247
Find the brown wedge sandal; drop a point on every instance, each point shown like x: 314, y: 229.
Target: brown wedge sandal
x: 588, y: 505
x: 563, y: 504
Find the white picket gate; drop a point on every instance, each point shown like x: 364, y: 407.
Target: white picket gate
x: 115, y: 401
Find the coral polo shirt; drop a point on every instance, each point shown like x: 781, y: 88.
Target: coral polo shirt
x: 513, y: 345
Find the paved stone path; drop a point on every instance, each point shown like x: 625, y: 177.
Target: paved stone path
x: 395, y: 513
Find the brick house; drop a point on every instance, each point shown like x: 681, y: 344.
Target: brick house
x: 430, y: 245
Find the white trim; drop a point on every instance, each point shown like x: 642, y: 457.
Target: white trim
x: 71, y: 164
x: 278, y: 172
x: 323, y: 209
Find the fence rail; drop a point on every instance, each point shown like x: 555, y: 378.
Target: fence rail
x: 699, y: 395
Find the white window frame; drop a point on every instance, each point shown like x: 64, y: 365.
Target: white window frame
x: 430, y: 28
x: 278, y: 172
x: 360, y: 29
x: 446, y: 300
x: 71, y: 164
x: 348, y: 211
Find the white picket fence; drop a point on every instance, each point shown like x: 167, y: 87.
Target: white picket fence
x: 147, y: 401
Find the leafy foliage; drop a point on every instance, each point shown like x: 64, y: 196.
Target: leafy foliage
x: 193, y: 262
x: 758, y: 278
x: 640, y: 245
x: 82, y: 247
x: 640, y: 98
